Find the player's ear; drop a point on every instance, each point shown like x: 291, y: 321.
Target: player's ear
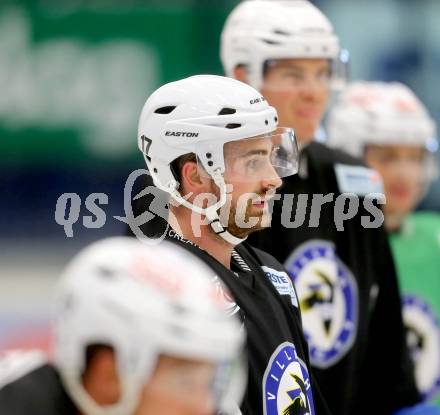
x: 240, y: 73
x: 193, y: 181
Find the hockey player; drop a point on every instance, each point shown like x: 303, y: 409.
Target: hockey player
x: 213, y: 145
x: 387, y: 125
x: 343, y: 272
x: 138, y: 330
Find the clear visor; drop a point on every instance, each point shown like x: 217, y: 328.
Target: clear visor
x: 265, y: 157
x: 340, y: 71
x: 287, y: 74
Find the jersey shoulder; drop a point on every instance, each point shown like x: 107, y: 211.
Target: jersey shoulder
x: 15, y: 364
x: 423, y: 227
x: 276, y: 274
x: 426, y: 220
x: 29, y: 384
x: 327, y: 156
x: 335, y: 170
x: 264, y: 257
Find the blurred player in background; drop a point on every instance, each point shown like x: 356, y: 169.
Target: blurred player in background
x: 346, y: 280
x: 213, y: 145
x: 387, y: 125
x: 138, y: 330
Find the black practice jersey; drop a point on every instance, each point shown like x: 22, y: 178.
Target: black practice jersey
x: 346, y: 283
x: 279, y: 379
x: 32, y: 387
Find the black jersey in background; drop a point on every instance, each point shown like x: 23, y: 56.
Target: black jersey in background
x: 347, y: 289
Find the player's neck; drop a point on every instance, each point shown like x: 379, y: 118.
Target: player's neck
x: 190, y: 226
x: 393, y: 221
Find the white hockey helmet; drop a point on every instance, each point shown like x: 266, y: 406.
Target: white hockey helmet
x: 199, y: 115
x: 381, y: 113
x: 258, y: 31
x: 143, y: 302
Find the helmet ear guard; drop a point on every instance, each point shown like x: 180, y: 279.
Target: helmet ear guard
x: 160, y: 169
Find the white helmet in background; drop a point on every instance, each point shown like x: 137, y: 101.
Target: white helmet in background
x: 199, y: 115
x: 257, y: 31
x: 381, y: 113
x: 143, y: 302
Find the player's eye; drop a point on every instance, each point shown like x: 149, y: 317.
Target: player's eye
x: 386, y: 158
x: 294, y: 76
x: 323, y: 76
x: 417, y: 157
x: 255, y: 164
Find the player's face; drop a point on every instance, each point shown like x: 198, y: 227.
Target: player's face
x: 101, y: 379
x: 299, y: 89
x: 179, y: 387
x: 401, y: 168
x: 248, y: 168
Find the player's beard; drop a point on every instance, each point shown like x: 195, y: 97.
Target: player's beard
x: 239, y: 218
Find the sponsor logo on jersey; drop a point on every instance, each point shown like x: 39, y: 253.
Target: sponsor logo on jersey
x: 282, y: 283
x: 423, y: 337
x: 181, y: 134
x: 358, y: 180
x: 286, y: 384
x: 328, y: 299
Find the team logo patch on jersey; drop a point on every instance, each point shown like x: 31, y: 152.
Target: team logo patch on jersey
x: 282, y: 283
x: 286, y: 384
x: 423, y: 337
x: 328, y: 299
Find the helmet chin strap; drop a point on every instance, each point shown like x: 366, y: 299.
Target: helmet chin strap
x: 219, y: 229
x: 211, y: 211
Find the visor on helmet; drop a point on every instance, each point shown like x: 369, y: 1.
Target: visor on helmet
x: 334, y: 77
x: 264, y: 157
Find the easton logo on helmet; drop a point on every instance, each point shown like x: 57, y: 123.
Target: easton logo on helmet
x: 181, y: 134
x: 257, y: 100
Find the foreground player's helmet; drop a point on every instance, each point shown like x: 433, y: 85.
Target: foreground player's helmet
x: 258, y: 31
x: 199, y: 115
x: 143, y: 302
x: 381, y: 113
